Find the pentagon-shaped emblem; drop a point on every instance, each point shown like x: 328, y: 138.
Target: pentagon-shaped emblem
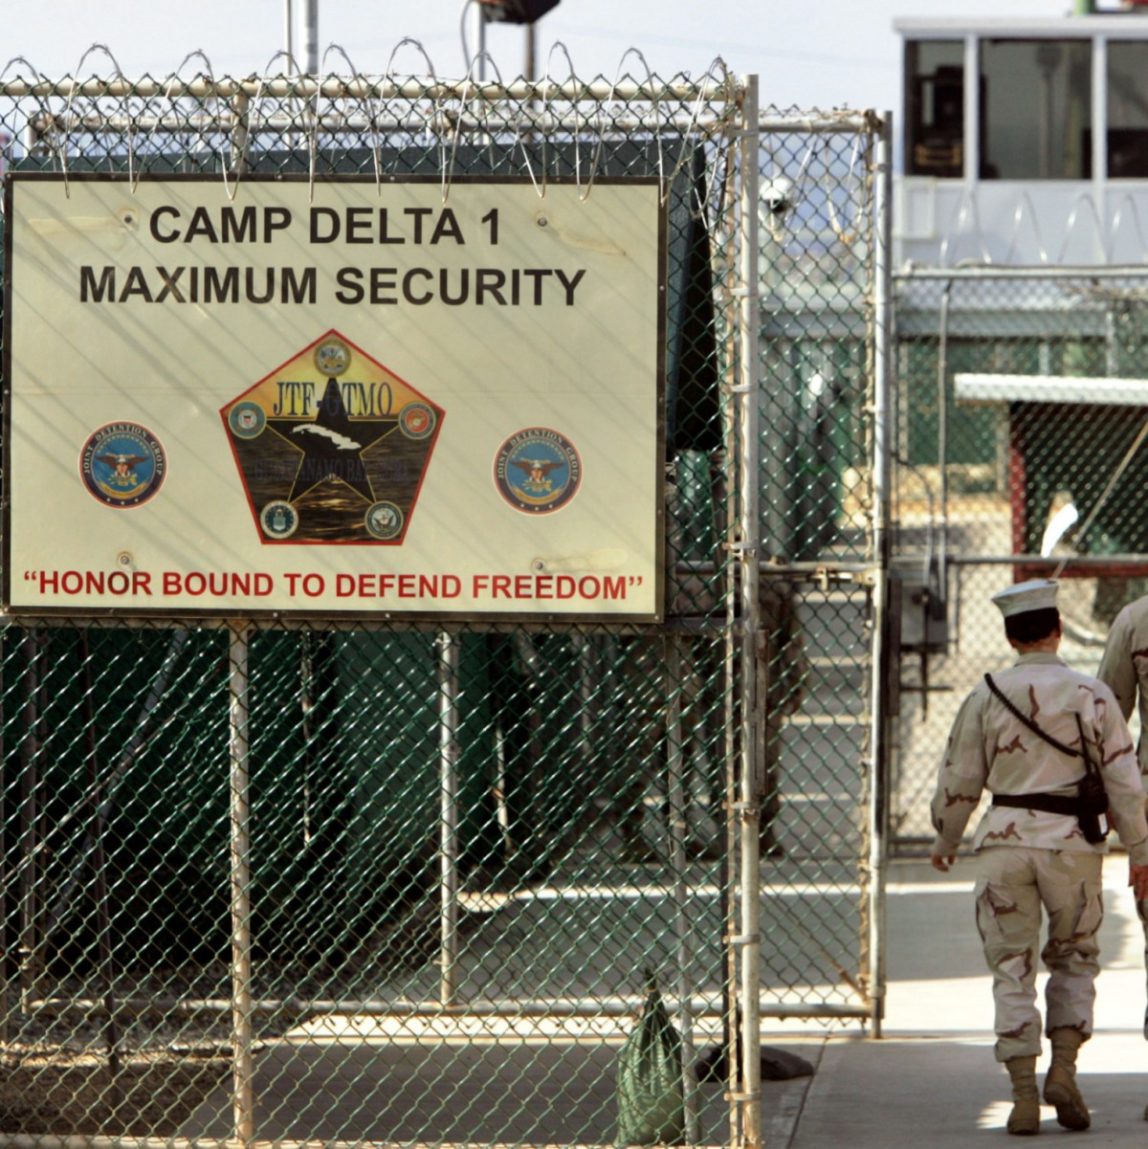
x: 332, y: 447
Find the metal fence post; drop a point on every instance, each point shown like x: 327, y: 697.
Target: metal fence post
x: 448, y: 814
x: 31, y: 934
x: 240, y: 133
x: 243, y: 1070
x: 877, y: 817
x: 747, y: 420
x: 677, y: 798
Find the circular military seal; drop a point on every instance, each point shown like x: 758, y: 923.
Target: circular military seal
x: 247, y: 420
x: 123, y: 464
x: 332, y: 357
x: 279, y: 519
x: 417, y: 420
x: 384, y: 520
x: 537, y: 470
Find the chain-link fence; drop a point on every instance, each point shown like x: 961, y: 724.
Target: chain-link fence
x: 407, y: 879
x: 1020, y: 430
x: 820, y: 263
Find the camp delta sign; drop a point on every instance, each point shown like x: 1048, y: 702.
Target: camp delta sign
x: 333, y: 399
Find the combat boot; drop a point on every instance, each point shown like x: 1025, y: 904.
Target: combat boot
x: 1025, y: 1115
x: 1060, y: 1088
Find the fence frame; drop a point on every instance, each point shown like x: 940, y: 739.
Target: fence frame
x: 916, y: 320
x: 740, y: 310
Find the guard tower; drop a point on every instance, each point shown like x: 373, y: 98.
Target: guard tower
x: 1021, y: 254
x: 1024, y: 141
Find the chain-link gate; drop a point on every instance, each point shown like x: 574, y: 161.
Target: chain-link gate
x: 823, y: 265
x: 1020, y: 453
x: 406, y: 880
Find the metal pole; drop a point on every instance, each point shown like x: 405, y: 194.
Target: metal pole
x: 531, y: 42
x: 416, y: 88
x: 676, y: 798
x: 240, y: 134
x: 747, y: 402
x: 243, y: 1070
x: 311, y: 37
x: 942, y: 425
x: 448, y: 814
x: 621, y: 1006
x: 882, y: 316
x: 30, y: 863
x: 1000, y: 271
x: 8, y: 983
x: 725, y: 501
x: 478, y: 31
x: 289, y: 34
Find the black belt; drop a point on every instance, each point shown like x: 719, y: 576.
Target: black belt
x: 1052, y: 803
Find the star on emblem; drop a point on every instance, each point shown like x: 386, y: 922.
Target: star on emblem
x: 331, y: 445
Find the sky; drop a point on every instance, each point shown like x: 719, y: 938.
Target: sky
x: 806, y: 53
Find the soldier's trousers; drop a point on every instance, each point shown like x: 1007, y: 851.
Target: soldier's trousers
x: 1013, y: 884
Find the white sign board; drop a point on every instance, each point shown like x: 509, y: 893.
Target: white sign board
x: 333, y: 398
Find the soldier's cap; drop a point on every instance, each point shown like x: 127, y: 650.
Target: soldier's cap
x: 1035, y: 594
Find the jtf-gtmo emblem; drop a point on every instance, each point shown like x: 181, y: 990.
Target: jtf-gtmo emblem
x: 123, y: 464
x: 332, y: 447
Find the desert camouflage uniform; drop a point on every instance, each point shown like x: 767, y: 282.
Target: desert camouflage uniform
x: 1124, y: 668
x: 1030, y: 858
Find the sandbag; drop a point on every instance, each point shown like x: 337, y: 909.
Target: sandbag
x: 651, y: 1102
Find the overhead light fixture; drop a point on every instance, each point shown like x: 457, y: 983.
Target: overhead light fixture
x: 515, y: 11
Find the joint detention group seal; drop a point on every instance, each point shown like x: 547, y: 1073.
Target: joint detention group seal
x: 123, y: 465
x: 537, y: 470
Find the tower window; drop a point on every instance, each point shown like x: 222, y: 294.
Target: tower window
x: 935, y: 107
x: 1037, y: 111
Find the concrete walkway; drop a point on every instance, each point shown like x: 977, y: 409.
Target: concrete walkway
x: 931, y: 1080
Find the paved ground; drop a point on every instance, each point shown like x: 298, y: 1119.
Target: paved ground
x: 930, y: 1080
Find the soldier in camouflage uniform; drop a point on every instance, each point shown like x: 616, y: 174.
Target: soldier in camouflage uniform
x: 1028, y: 855
x: 1124, y: 668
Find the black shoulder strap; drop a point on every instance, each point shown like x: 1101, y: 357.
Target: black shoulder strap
x: 1090, y: 767
x: 1033, y: 726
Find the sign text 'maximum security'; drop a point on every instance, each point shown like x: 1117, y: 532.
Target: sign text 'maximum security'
x: 480, y: 284
x: 452, y: 286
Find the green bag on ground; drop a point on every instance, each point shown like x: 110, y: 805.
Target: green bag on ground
x: 651, y: 1104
